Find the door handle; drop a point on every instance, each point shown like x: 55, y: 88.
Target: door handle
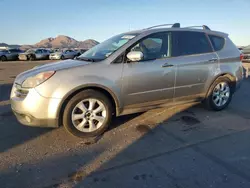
x: 213, y: 60
x: 167, y: 65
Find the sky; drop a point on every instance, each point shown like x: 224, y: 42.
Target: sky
x: 29, y: 21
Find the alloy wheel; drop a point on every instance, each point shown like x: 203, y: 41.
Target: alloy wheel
x: 89, y: 115
x: 221, y: 94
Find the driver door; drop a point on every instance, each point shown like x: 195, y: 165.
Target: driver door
x: 150, y: 81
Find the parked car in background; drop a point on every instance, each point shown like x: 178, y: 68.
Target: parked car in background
x: 128, y: 73
x: 53, y: 50
x: 9, y: 54
x: 64, y: 54
x: 81, y: 51
x: 34, y: 54
x: 246, y: 53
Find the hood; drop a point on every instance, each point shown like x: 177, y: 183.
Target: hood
x: 25, y: 53
x: 57, y: 53
x: 49, y: 67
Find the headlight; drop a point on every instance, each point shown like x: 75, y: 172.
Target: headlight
x: 36, y: 80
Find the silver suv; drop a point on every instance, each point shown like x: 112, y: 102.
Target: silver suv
x: 128, y: 73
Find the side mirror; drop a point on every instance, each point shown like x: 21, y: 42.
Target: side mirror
x: 135, y: 56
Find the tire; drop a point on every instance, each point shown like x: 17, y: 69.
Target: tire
x: 212, y: 95
x: 62, y: 57
x: 3, y: 58
x: 32, y: 57
x: 71, y: 109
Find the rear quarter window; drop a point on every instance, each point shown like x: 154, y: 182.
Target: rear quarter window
x: 217, y: 42
x: 191, y: 43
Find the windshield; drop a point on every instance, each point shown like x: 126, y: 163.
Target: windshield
x: 30, y: 51
x: 106, y: 48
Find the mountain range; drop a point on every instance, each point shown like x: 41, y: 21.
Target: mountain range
x: 60, y: 41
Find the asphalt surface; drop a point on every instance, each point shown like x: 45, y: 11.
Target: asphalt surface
x: 182, y: 147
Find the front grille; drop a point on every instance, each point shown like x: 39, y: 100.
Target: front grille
x: 22, y: 57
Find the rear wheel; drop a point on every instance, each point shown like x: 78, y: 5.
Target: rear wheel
x: 62, y: 57
x: 220, y: 94
x: 87, y: 114
x: 3, y: 58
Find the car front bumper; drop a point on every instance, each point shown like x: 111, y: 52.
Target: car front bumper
x: 32, y: 109
x: 54, y: 57
x: 22, y: 57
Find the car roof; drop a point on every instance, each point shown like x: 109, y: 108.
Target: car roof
x: 155, y: 30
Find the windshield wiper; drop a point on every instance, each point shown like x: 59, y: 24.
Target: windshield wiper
x: 88, y: 59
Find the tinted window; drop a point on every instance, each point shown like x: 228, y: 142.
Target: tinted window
x: 39, y: 51
x: 14, y: 50
x: 189, y: 43
x: 155, y: 46
x: 217, y: 42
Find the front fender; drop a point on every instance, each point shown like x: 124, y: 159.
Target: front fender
x: 59, y: 87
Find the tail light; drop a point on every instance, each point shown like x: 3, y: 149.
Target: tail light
x: 241, y: 56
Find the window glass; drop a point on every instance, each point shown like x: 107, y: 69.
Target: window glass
x: 155, y: 46
x: 108, y: 47
x: 190, y: 43
x: 217, y: 42
x: 38, y: 51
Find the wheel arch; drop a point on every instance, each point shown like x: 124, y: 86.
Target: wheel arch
x: 4, y: 56
x: 107, y: 92
x: 229, y: 76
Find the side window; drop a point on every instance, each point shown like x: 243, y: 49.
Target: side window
x: 38, y: 51
x: 190, y: 43
x: 217, y: 42
x: 154, y: 46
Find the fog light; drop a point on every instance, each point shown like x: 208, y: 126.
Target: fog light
x: 28, y: 119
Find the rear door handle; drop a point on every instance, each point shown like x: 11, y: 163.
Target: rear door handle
x: 213, y: 60
x: 167, y: 65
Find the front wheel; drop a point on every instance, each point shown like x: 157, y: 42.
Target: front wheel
x: 3, y: 58
x: 87, y: 114
x: 220, y: 94
x: 32, y: 57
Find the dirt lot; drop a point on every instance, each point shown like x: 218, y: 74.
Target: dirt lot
x: 181, y: 147
x: 9, y: 69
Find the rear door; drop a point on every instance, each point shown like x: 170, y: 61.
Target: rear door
x: 196, y: 63
x: 12, y: 55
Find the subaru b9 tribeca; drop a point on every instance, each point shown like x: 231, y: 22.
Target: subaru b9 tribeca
x: 128, y: 73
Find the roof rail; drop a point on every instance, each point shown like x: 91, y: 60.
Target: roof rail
x: 175, y: 25
x: 203, y: 26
